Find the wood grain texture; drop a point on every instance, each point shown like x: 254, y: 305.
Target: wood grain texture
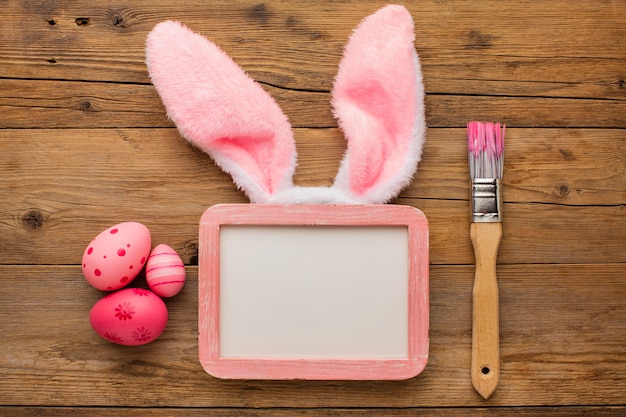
x: 317, y: 412
x: 85, y: 143
x: 69, y: 104
x: 108, y: 175
x: 559, y: 339
x: 297, y: 44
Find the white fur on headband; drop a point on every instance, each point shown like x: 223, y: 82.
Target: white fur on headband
x: 377, y: 97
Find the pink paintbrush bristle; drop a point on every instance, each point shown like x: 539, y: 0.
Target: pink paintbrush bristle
x: 485, y: 146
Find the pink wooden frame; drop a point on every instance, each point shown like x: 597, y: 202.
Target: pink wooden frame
x: 311, y: 215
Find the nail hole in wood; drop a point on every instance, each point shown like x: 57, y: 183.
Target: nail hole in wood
x: 52, y: 22
x: 82, y: 21
x: 485, y: 370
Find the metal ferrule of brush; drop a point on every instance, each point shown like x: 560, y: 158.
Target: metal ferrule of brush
x: 486, y: 200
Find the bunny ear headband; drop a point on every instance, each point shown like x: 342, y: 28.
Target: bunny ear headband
x: 377, y: 97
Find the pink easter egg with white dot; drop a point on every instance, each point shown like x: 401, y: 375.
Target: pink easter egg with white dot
x: 116, y: 256
x: 130, y: 317
x: 165, y: 271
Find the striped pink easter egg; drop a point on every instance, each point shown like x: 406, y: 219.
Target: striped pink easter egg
x: 165, y: 271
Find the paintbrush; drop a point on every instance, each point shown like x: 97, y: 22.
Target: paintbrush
x: 486, y: 151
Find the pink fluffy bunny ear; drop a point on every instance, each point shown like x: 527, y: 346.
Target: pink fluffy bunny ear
x: 378, y: 98
x: 221, y: 110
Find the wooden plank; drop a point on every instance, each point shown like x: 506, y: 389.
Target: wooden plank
x: 476, y: 72
x: 563, y: 167
x: 77, y: 104
x: 59, y: 192
x: 455, y: 111
x: 72, y: 104
x: 554, y: 166
x: 562, y: 333
x: 534, y: 48
x: 64, y: 104
x: 589, y: 411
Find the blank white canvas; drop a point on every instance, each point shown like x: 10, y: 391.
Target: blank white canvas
x: 335, y: 292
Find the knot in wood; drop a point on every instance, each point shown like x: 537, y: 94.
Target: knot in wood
x: 190, y: 252
x: 259, y: 13
x: 33, y: 219
x: 81, y: 21
x: 117, y: 19
x: 562, y: 189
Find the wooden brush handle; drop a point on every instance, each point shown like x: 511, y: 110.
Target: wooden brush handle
x: 485, y: 368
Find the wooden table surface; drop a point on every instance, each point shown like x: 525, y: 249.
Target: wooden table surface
x: 85, y: 143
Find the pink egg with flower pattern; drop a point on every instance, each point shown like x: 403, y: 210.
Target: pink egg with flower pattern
x: 165, y: 271
x: 116, y: 256
x: 131, y: 317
